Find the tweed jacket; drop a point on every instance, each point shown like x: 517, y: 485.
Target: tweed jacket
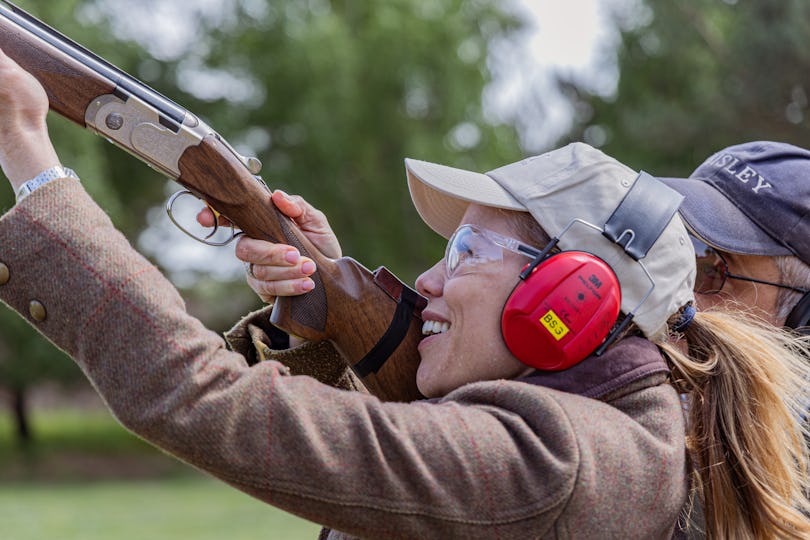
x: 495, y: 459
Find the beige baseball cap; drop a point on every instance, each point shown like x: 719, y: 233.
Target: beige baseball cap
x: 576, y: 181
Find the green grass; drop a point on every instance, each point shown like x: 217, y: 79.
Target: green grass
x: 195, y: 508
x: 87, y: 478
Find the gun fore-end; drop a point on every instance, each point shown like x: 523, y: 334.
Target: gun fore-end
x: 71, y: 85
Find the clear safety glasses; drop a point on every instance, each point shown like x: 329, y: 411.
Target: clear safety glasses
x: 712, y: 271
x: 471, y: 248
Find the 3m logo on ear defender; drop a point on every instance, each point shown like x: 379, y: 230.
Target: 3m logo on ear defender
x: 554, y: 325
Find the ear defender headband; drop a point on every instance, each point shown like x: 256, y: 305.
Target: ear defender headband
x: 799, y: 317
x: 566, y: 305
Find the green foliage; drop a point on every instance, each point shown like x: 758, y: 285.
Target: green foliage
x: 26, y: 358
x: 698, y: 76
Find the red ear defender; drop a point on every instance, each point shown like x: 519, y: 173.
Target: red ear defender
x: 562, y: 311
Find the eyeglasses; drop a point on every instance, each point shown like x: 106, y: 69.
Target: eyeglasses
x: 712, y: 271
x: 470, y: 248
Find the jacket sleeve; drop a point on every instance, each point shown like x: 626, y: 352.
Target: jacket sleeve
x: 496, y: 458
x: 255, y: 338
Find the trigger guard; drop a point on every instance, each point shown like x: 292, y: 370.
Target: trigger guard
x: 184, y: 192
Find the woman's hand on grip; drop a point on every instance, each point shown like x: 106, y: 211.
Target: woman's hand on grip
x: 279, y: 269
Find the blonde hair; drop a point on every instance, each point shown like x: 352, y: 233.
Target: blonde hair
x: 746, y: 385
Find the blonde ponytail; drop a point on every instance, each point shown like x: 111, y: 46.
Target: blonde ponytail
x: 746, y: 384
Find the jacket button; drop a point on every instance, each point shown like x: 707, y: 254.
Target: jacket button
x: 37, y: 310
x: 5, y: 275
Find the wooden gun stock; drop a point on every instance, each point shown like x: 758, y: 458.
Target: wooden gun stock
x: 371, y: 318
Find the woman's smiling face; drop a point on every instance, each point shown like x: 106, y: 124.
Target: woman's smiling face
x: 463, y: 316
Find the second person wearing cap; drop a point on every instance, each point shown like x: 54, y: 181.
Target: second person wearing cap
x: 747, y: 208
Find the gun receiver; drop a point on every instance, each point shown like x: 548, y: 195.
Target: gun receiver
x: 372, y: 318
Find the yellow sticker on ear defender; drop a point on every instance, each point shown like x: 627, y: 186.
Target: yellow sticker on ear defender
x: 554, y: 325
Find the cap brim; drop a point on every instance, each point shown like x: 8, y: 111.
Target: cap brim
x: 441, y: 194
x: 719, y: 222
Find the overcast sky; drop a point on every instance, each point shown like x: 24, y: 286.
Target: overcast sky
x: 570, y: 37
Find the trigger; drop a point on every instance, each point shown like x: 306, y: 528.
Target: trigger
x: 216, y: 214
x: 215, y: 228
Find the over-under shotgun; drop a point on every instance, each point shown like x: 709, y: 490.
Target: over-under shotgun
x: 372, y: 318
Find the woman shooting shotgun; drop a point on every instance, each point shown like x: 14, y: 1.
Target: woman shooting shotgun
x: 559, y: 333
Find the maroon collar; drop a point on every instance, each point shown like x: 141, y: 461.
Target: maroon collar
x: 629, y: 360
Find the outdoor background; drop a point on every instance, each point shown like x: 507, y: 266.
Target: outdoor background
x: 331, y: 96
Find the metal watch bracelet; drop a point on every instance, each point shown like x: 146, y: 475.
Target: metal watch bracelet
x: 48, y: 175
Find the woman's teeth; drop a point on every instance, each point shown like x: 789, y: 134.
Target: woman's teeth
x: 434, y: 327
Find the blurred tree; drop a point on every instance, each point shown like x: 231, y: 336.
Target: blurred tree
x: 698, y: 76
x: 27, y: 359
x: 331, y: 95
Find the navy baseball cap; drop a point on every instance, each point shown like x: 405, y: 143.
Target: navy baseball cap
x: 751, y: 198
